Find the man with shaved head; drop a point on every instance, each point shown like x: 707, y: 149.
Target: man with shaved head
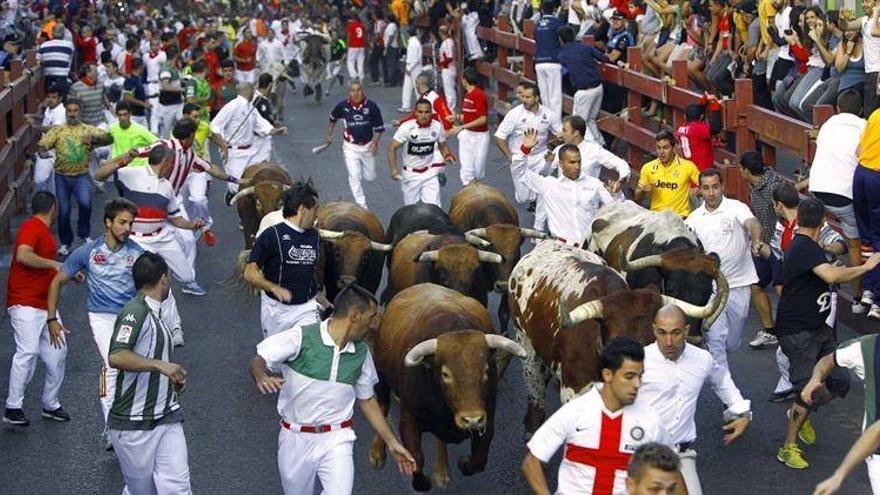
x: 675, y: 371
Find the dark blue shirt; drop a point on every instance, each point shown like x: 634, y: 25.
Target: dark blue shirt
x: 134, y: 87
x: 546, y: 39
x: 287, y: 257
x: 361, y: 121
x: 582, y: 62
x: 620, y: 41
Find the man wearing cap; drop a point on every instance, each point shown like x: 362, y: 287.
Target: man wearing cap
x: 11, y: 48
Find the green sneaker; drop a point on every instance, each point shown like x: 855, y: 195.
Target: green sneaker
x: 792, y: 456
x: 807, y: 433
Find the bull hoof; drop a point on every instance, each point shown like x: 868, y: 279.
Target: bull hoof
x: 467, y: 468
x: 420, y: 482
x: 440, y: 479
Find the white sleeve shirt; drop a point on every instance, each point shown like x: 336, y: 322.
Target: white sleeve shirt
x: 237, y: 123
x: 723, y: 231
x: 837, y: 155
x: 518, y: 120
x: 594, y: 158
x: 672, y: 388
x: 389, y: 37
x: 413, y: 55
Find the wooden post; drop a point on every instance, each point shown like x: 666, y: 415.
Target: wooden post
x: 502, y: 59
x: 633, y: 102
x: 743, y: 98
x: 529, y: 59
x: 680, y: 75
x: 16, y: 70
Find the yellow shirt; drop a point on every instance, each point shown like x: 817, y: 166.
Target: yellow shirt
x: 869, y: 156
x: 766, y: 12
x: 670, y: 184
x: 71, y: 153
x: 401, y: 10
x: 200, y: 143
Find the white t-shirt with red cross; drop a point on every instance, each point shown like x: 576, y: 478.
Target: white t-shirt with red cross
x: 418, y: 144
x: 598, y: 443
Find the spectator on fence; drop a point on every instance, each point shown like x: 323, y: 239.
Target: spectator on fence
x: 816, y: 39
x: 869, y: 25
x: 56, y: 57
x: 668, y: 180
x: 547, y: 68
x: 582, y: 63
x: 10, y: 50
x: 866, y: 204
x: 695, y: 134
x: 469, y: 23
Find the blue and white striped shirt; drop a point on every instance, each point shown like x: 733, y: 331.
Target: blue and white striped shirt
x: 108, y: 273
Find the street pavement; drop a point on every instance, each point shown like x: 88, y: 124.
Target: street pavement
x: 232, y: 430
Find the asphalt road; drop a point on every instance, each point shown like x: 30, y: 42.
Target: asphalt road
x: 232, y: 430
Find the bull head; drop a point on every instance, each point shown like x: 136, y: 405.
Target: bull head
x: 461, y: 364
x: 351, y: 253
x: 506, y: 240
x: 267, y: 195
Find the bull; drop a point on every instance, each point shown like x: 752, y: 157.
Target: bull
x: 632, y: 239
x: 565, y: 344
x: 418, y: 217
x: 315, y: 57
x: 353, y: 247
x: 485, y: 212
x: 445, y: 259
x: 268, y: 183
x: 434, y: 350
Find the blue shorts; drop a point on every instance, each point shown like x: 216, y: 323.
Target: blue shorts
x: 769, y: 270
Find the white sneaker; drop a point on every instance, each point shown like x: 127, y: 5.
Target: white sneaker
x: 857, y: 308
x: 763, y: 339
x: 105, y: 440
x: 874, y: 312
x: 867, y: 298
x: 64, y: 250
x: 177, y: 337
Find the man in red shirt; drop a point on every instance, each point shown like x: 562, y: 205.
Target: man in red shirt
x: 245, y: 55
x: 33, y: 268
x: 212, y: 60
x: 473, y: 132
x: 356, y: 37
x: 185, y: 36
x: 695, y: 137
x: 86, y: 46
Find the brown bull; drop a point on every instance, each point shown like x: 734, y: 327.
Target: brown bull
x: 268, y: 183
x: 484, y: 211
x: 353, y: 247
x: 445, y: 259
x: 434, y: 351
x: 553, y: 279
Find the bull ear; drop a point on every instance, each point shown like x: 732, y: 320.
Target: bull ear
x: 432, y: 256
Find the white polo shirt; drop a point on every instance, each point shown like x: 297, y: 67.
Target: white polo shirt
x: 672, y: 388
x: 307, y: 401
x: 723, y: 232
x: 594, y: 158
x: 154, y: 197
x: 54, y: 116
x: 518, y: 120
x: 871, y: 47
x: 152, y: 65
x: 418, y: 146
x: 837, y: 155
x: 598, y: 443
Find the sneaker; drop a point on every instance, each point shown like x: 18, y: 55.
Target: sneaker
x: 783, y: 396
x: 874, y: 312
x: 867, y: 298
x: 56, y: 414
x: 177, y: 337
x: 792, y: 456
x: 105, y: 440
x: 228, y: 197
x: 210, y: 238
x: 807, y: 433
x: 63, y: 250
x: 763, y: 339
x: 857, y: 308
x: 194, y: 289
x: 15, y: 417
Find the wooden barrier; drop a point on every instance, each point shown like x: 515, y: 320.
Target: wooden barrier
x: 21, y: 93
x: 746, y: 123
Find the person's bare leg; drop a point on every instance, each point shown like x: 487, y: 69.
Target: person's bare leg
x: 854, y: 252
x: 761, y: 302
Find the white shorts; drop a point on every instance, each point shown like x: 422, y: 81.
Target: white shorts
x: 276, y: 316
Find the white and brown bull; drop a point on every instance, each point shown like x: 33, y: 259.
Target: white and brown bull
x: 267, y: 185
x: 484, y: 211
x: 353, y: 247
x: 434, y: 349
x: 566, y: 302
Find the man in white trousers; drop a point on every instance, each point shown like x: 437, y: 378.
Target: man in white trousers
x: 147, y: 435
x: 153, y: 61
x: 237, y: 123
x: 473, y: 130
x: 106, y: 263
x: 530, y: 114
x: 675, y: 372
x: 582, y: 62
x: 548, y: 70
x: 412, y: 69
x: 727, y: 228
x: 419, y: 136
x: 469, y: 23
x: 32, y: 270
x: 54, y: 114
x: 448, y: 70
x: 326, y: 367
x: 363, y: 128
x: 170, y: 94
x: 357, y: 36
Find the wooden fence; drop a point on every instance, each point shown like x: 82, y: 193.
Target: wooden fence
x: 22, y: 90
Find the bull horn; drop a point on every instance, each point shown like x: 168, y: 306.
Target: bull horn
x: 477, y: 232
x: 422, y: 350
x: 429, y: 256
x: 639, y: 264
x: 242, y: 193
x: 502, y: 343
x: 476, y: 240
x: 532, y: 233
x: 378, y: 246
x: 487, y: 257
x: 329, y: 235
x: 587, y: 311
x: 712, y: 310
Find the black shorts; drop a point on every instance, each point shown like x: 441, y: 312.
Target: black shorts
x: 769, y: 270
x: 804, y: 349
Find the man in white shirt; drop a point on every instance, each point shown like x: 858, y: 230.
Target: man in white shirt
x: 727, y: 228
x: 413, y: 67
x: 675, y: 372
x: 53, y: 114
x: 391, y: 42
x: 419, y: 181
x: 270, y: 55
x: 593, y: 157
x: 448, y: 70
x: 325, y: 367
x: 600, y: 429
x: 570, y: 200
x: 153, y: 61
x: 831, y: 175
x: 528, y: 115
x: 237, y: 123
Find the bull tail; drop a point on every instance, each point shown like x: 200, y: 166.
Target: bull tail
x: 236, y: 282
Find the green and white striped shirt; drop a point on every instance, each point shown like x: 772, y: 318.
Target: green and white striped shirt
x: 143, y: 400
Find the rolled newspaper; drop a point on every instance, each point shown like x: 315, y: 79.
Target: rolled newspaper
x: 321, y: 147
